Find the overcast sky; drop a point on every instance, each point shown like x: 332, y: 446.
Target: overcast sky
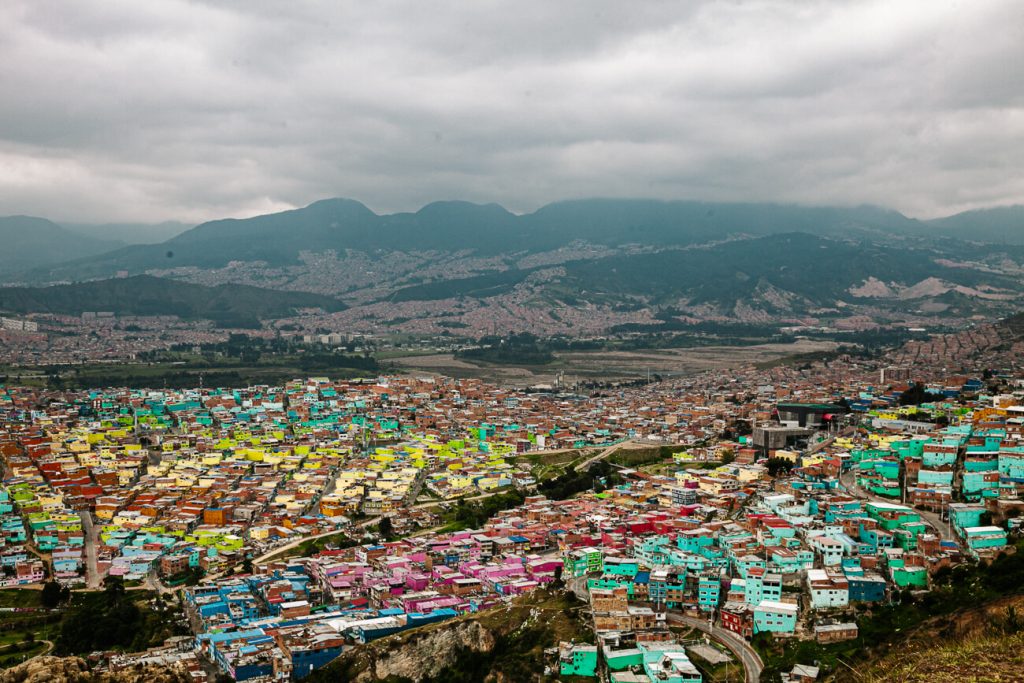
x: 129, y: 110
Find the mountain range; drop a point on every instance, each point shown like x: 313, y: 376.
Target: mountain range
x: 732, y: 260
x: 342, y: 224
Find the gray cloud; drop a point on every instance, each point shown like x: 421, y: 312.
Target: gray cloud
x: 121, y: 110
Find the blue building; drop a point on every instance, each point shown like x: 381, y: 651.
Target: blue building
x: 866, y: 588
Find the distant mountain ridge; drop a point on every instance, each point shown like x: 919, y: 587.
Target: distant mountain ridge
x: 741, y: 261
x: 783, y: 273
x: 486, y: 229
x: 451, y: 226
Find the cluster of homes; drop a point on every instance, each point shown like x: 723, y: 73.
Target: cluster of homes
x: 295, y: 615
x: 634, y: 642
x: 792, y: 555
x: 967, y: 473
x: 193, y: 480
x: 832, y: 495
x: 789, y: 555
x: 37, y: 529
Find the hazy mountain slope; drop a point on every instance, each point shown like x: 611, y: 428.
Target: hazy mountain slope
x: 145, y: 295
x: 29, y: 242
x: 130, y: 233
x: 333, y: 224
x: 1002, y: 224
x: 620, y: 221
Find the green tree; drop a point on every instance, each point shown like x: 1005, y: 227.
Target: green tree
x: 777, y: 466
x: 113, y: 589
x: 917, y: 394
x: 50, y: 595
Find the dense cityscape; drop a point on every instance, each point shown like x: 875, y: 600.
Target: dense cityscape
x: 288, y: 526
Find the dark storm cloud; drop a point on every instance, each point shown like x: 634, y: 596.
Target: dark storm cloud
x: 121, y: 110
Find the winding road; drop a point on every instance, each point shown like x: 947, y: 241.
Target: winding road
x: 752, y: 663
x: 739, y: 647
x: 601, y: 456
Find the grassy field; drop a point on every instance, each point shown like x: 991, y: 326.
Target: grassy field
x: 391, y: 354
x: 544, y: 466
x: 636, y: 457
x: 22, y: 633
x: 19, y: 597
x: 181, y: 369
x: 993, y: 658
x: 660, y: 468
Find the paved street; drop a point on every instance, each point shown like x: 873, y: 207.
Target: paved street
x: 92, y: 575
x: 601, y: 456
x: 740, y: 648
x: 752, y: 663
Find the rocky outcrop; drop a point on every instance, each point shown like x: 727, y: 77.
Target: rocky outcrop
x: 421, y: 656
x: 75, y: 670
x: 504, y: 644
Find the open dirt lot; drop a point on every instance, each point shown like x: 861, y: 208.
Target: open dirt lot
x: 613, y: 365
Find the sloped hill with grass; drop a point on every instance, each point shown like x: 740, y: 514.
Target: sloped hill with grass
x: 968, y: 606
x: 984, y: 644
x: 989, y: 658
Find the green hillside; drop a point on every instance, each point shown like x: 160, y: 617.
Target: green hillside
x: 227, y: 305
x: 811, y: 269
